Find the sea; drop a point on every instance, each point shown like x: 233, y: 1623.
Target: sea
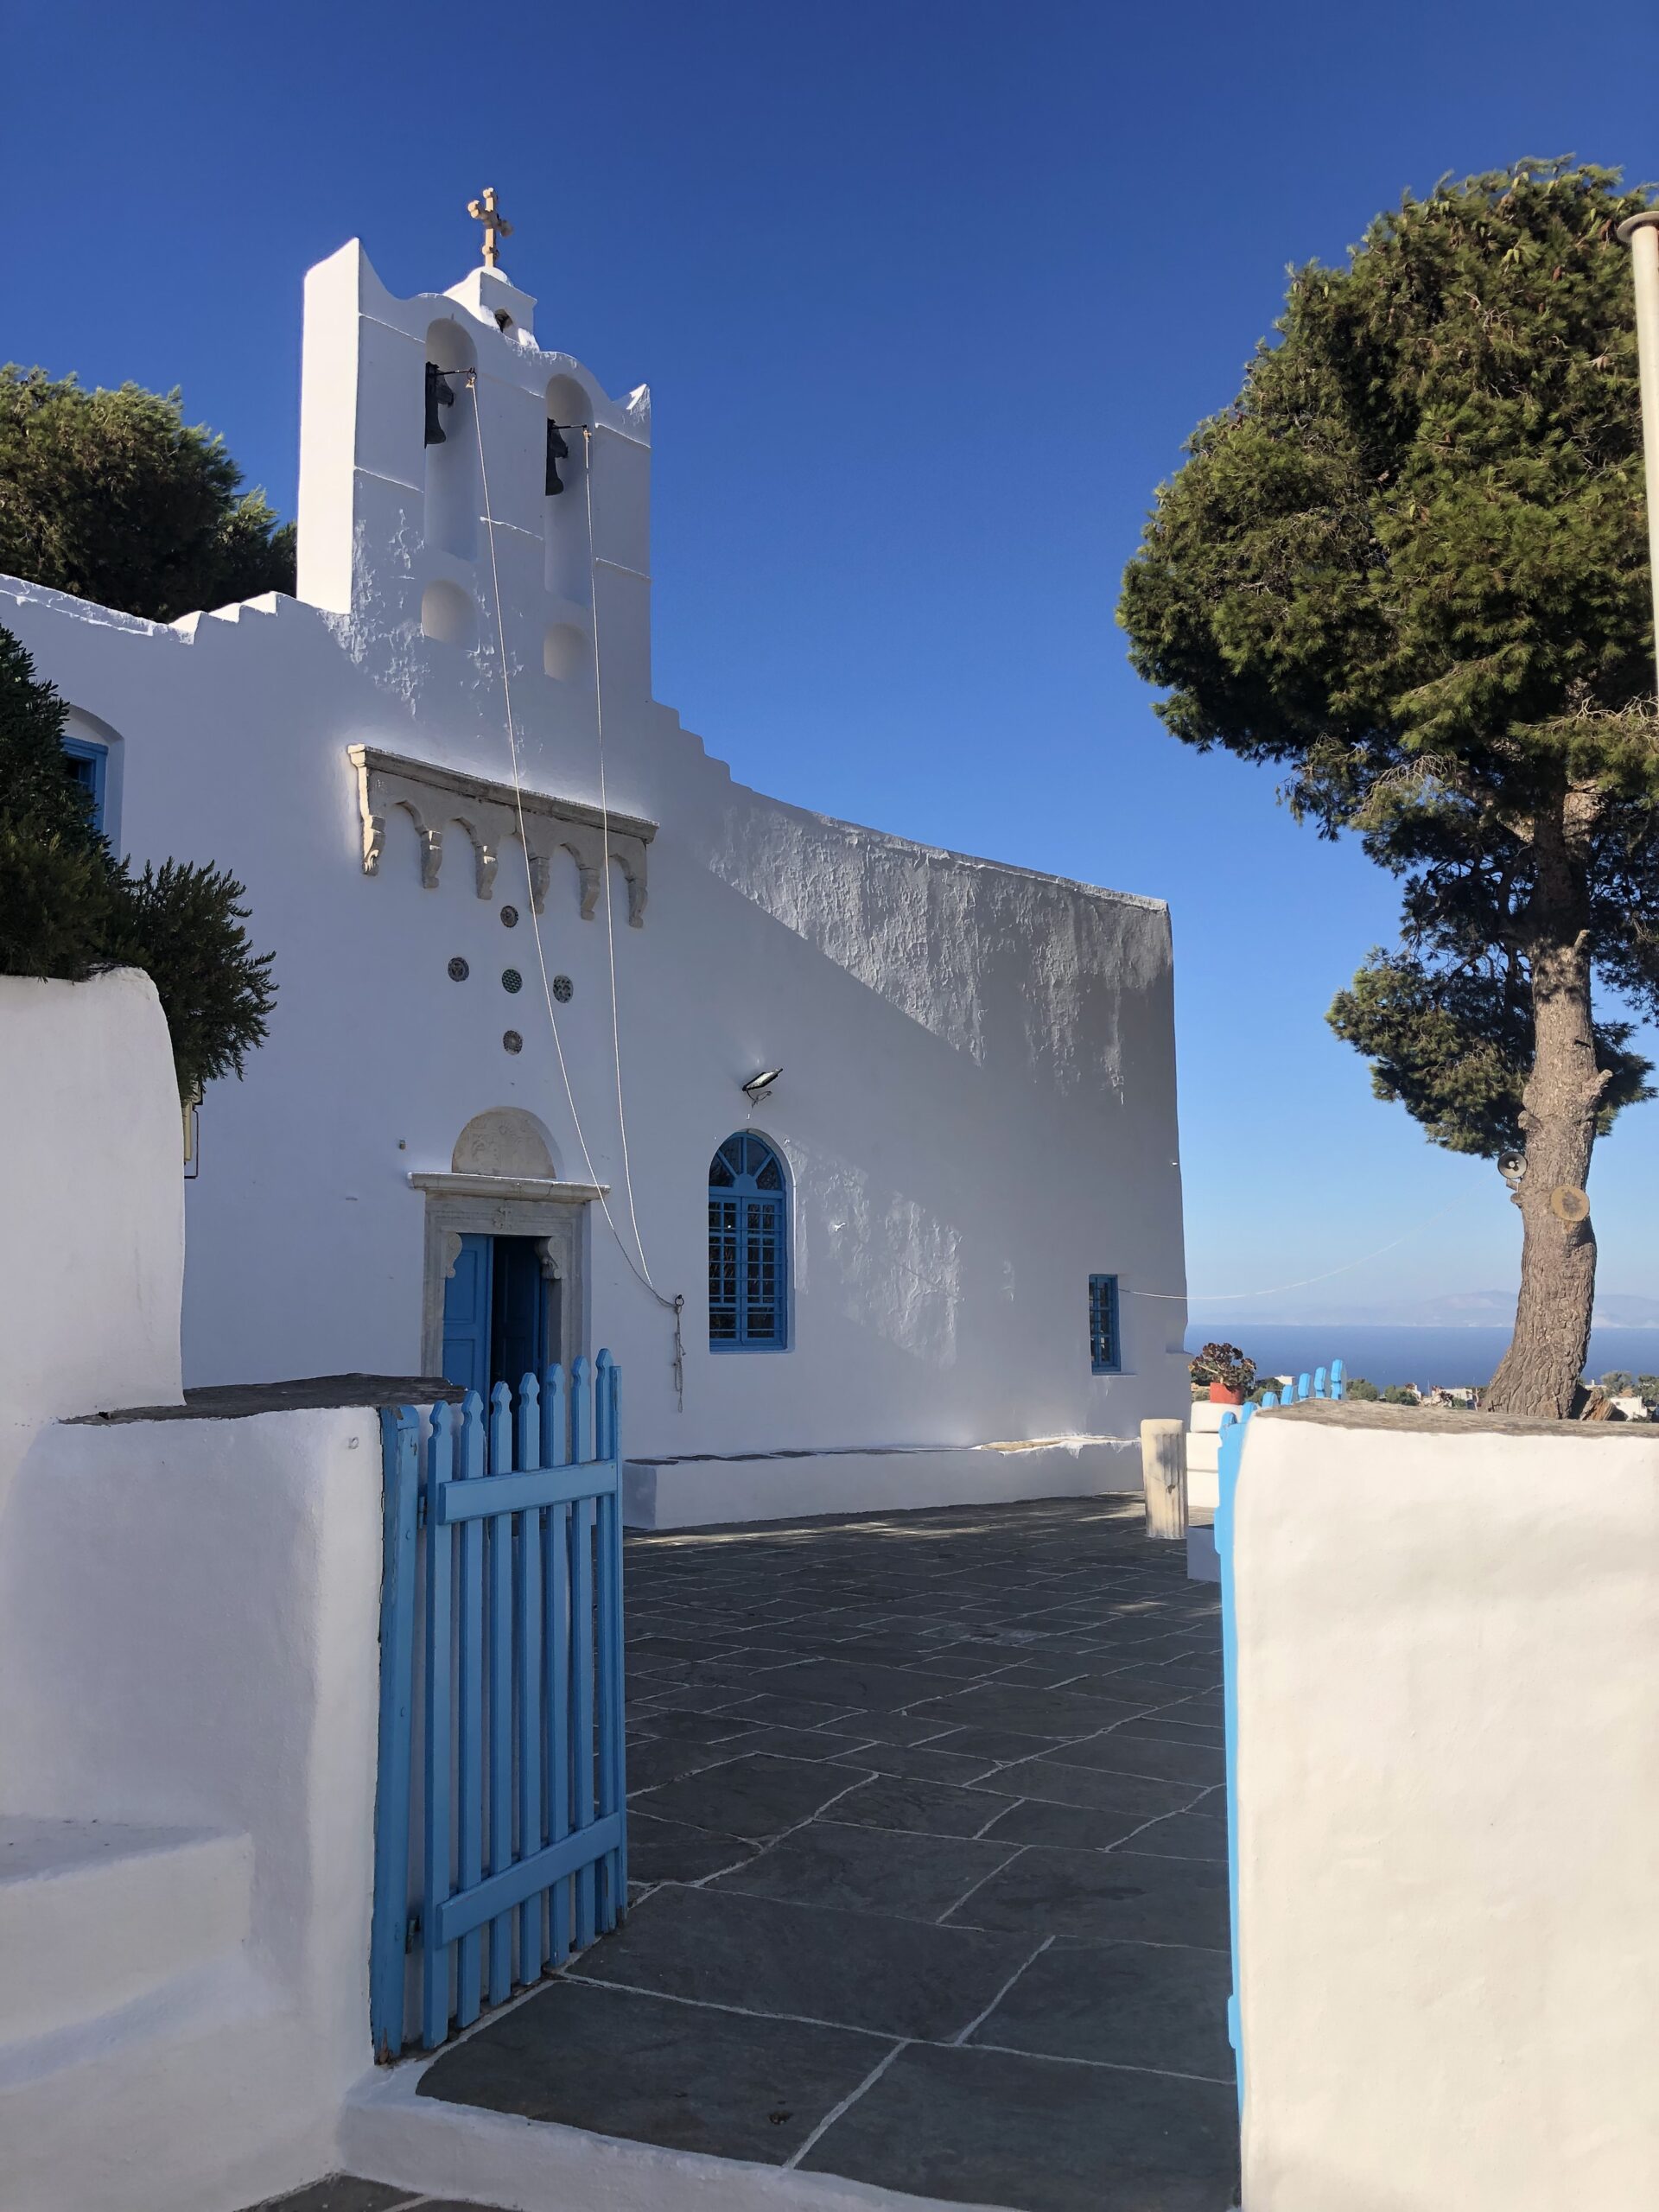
x: 1424, y: 1356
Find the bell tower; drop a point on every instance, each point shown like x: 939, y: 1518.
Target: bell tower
x: 425, y: 421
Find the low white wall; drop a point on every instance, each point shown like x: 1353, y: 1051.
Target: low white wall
x: 1202, y: 1453
x: 701, y: 1493
x: 1447, y: 1802
x: 188, y: 1638
x: 92, y: 1193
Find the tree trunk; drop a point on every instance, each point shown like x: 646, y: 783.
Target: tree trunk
x: 1541, y: 1370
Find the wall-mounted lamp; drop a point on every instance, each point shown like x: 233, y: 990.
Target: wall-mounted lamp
x: 757, y: 1085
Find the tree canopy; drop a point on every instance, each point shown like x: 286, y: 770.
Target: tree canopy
x: 111, y: 496
x: 69, y: 908
x: 1407, y: 565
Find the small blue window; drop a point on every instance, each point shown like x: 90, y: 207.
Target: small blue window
x: 748, y: 1248
x: 1105, y: 1348
x: 87, y: 763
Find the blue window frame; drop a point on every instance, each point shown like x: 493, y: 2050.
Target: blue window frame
x: 88, y: 764
x: 1105, y: 1345
x: 748, y: 1248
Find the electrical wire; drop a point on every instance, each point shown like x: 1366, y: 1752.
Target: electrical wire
x: 675, y: 1306
x: 605, y: 842
x: 1212, y: 1297
x: 641, y: 1270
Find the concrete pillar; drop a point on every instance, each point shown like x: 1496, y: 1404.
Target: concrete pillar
x: 1163, y: 1474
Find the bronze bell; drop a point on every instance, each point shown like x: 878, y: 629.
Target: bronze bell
x: 439, y: 393
x: 556, y: 451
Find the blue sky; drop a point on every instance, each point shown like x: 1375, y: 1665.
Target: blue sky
x: 929, y: 294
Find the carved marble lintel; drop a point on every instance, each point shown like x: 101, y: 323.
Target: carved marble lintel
x: 490, y: 815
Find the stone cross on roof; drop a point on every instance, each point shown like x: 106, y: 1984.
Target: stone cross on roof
x: 484, y: 210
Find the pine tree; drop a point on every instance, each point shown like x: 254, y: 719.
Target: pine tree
x: 1408, y: 566
x: 113, y: 497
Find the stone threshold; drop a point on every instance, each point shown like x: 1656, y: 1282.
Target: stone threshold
x: 870, y: 1451
x: 393, y: 2134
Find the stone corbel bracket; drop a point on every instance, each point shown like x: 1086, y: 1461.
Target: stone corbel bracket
x: 488, y: 814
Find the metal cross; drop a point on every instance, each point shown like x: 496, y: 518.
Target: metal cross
x: 496, y: 227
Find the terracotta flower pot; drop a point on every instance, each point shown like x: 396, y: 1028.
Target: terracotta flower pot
x: 1221, y: 1395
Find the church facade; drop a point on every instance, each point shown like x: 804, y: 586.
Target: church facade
x: 843, y: 1145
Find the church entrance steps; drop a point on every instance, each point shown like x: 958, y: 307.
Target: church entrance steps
x: 96, y: 1915
x: 707, y: 1489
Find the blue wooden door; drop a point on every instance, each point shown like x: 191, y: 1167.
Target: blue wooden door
x: 466, y: 1314
x: 518, y: 1344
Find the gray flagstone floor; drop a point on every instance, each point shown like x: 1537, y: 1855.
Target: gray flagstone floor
x: 928, y: 1850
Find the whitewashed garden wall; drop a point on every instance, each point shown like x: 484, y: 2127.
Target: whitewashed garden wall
x: 188, y: 1671
x: 1444, y: 1660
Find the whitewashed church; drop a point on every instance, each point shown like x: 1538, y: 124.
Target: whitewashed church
x: 851, y: 1150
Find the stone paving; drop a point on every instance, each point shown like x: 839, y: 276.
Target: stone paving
x: 929, y: 1854
x: 929, y: 1859
x: 351, y: 2193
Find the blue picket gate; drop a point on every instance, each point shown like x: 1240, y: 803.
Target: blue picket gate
x: 1322, y: 1384
x: 500, y: 1839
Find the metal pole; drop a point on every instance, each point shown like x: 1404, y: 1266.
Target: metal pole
x: 1641, y: 234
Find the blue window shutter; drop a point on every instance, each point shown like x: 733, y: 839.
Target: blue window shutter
x: 86, y: 764
x: 1105, y: 1349
x: 748, y: 1248
x: 725, y: 1244
x: 763, y: 1259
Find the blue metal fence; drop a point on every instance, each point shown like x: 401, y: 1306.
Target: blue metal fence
x: 500, y: 1842
x: 1322, y: 1384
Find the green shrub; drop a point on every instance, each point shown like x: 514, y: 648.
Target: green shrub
x: 68, y: 908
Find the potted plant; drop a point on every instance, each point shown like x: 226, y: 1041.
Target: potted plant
x: 1229, y: 1375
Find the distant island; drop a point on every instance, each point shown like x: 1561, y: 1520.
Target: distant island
x: 1457, y: 1309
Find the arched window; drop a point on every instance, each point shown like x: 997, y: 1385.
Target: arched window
x: 748, y: 1248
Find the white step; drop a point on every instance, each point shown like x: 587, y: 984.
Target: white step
x: 714, y: 1488
x: 196, y: 2097
x: 391, y: 2133
x: 95, y: 1914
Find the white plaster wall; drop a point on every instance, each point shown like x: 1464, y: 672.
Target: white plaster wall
x: 92, y: 1195
x: 1203, y: 1454
x: 695, y: 1493
x: 961, y: 1163
x: 978, y: 1103
x: 188, y: 1640
x: 1447, y: 1797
